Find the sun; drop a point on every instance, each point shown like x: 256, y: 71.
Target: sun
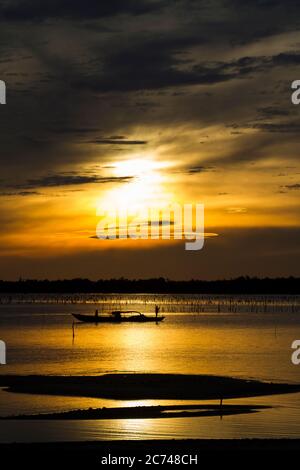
x: 146, y: 185
x: 142, y: 167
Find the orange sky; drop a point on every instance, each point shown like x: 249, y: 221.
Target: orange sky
x: 147, y: 108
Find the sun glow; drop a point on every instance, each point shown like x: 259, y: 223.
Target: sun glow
x: 137, y: 167
x: 146, y: 186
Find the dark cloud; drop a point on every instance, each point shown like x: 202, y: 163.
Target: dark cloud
x: 75, y: 130
x: 273, y: 111
x: 283, y: 127
x: 199, y: 169
x: 20, y: 193
x: 156, y: 63
x: 286, y: 58
x: 295, y: 186
x: 52, y: 181
x: 114, y: 139
x: 33, y: 10
x: 263, y: 3
x: 118, y: 141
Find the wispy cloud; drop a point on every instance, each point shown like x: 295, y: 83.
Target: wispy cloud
x: 63, y: 179
x: 20, y: 193
x: 292, y: 187
x: 118, y: 141
x: 199, y: 169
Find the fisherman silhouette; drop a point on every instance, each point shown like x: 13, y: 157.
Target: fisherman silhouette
x: 157, y: 308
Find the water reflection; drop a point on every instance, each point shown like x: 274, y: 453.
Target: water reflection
x: 283, y: 421
x: 232, y: 344
x: 255, y: 345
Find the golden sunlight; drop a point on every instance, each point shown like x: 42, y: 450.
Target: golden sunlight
x: 146, y: 185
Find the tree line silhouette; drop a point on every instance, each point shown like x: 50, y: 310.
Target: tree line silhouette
x: 240, y: 285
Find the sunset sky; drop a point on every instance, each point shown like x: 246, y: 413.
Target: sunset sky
x: 156, y: 102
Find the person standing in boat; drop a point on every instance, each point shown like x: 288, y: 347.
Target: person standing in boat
x: 96, y: 314
x: 157, y: 309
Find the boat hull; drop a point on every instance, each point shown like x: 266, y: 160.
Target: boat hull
x: 108, y: 319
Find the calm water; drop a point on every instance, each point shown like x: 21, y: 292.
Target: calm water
x: 213, y: 335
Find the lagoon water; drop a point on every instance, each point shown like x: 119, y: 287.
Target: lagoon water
x: 201, y: 335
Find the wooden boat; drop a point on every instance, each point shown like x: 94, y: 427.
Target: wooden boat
x: 118, y: 316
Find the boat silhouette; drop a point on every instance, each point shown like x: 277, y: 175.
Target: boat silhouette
x: 118, y: 316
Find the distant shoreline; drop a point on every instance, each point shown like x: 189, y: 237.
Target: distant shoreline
x: 241, y: 285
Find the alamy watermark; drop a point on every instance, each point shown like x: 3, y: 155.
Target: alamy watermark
x: 295, y: 97
x: 296, y: 354
x: 2, y: 92
x: 2, y: 353
x: 174, y: 222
